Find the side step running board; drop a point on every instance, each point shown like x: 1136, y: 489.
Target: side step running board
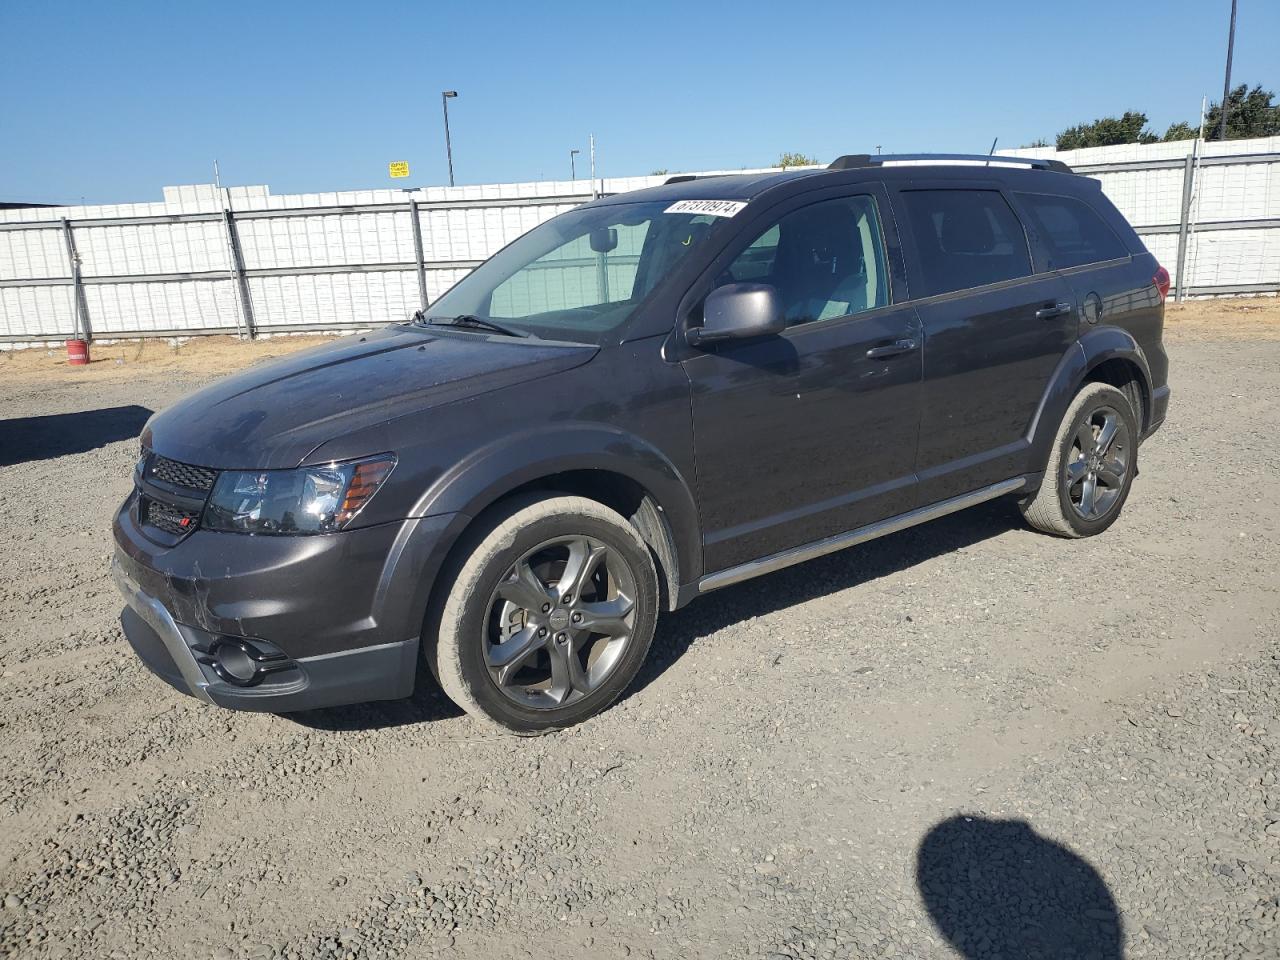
x: 818, y: 548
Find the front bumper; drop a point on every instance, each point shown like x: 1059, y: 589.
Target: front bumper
x: 172, y: 652
x: 341, y: 613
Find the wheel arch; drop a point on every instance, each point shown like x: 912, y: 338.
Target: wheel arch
x: 1104, y: 354
x: 601, y: 463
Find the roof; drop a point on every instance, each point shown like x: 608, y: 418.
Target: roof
x: 743, y: 186
x: 748, y: 186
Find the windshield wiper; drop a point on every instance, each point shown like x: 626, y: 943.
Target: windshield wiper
x: 472, y: 321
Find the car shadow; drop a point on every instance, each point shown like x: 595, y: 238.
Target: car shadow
x: 27, y: 439
x: 427, y: 705
x: 678, y: 631
x: 996, y: 888
x: 870, y: 561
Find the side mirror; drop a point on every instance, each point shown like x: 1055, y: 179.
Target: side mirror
x: 738, y: 311
x: 603, y: 239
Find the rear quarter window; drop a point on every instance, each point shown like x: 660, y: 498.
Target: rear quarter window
x: 1071, y: 232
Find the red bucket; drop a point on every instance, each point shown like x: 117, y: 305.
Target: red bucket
x: 77, y: 352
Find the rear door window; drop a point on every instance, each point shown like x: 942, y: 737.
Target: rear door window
x: 966, y: 238
x: 1072, y: 233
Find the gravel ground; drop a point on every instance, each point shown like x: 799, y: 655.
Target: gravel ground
x: 966, y: 740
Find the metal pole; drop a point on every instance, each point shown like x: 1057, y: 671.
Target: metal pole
x: 1184, y: 222
x: 80, y: 313
x: 573, y: 170
x: 448, y: 144
x: 418, y: 258
x: 237, y: 269
x: 1226, y: 84
x: 1193, y: 210
x: 592, y: 144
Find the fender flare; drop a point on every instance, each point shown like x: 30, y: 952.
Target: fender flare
x: 494, y: 470
x: 1094, y: 348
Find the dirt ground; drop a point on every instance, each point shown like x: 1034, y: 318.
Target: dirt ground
x: 964, y: 740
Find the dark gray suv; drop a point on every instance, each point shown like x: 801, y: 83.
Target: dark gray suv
x: 652, y: 396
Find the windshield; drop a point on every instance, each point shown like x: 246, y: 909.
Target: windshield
x: 581, y: 275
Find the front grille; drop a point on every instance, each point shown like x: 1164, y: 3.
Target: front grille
x: 168, y: 518
x: 181, y: 474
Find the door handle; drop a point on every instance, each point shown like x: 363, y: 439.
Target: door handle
x: 891, y: 349
x: 1059, y: 309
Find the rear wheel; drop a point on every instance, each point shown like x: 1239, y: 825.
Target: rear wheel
x: 1091, y: 466
x: 549, y: 617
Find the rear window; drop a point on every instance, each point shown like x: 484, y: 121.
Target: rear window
x: 1072, y: 232
x: 966, y: 238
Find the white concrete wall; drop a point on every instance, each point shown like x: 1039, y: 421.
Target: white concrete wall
x: 466, y: 235
x: 369, y: 297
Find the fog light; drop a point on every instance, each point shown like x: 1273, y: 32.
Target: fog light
x: 242, y: 663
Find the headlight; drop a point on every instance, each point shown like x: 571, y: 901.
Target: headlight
x: 306, y: 500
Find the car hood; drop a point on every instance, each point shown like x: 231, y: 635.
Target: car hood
x: 274, y: 414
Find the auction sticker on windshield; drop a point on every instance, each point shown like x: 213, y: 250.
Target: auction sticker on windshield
x: 714, y: 208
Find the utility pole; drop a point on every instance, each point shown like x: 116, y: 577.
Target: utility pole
x: 1226, y: 84
x: 573, y: 172
x: 445, y: 97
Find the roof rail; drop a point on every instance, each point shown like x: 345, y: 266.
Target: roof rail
x: 853, y: 161
x: 680, y: 178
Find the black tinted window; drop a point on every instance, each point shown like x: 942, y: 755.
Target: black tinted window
x: 1071, y: 230
x: 966, y: 238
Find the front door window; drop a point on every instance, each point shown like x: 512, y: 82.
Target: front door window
x: 826, y: 260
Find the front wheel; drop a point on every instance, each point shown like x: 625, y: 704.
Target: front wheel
x: 549, y: 617
x: 1091, y: 466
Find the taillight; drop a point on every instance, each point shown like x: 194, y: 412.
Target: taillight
x: 1161, y: 280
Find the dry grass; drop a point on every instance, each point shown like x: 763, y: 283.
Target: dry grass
x: 118, y: 361
x: 1253, y: 318
x: 1247, y: 318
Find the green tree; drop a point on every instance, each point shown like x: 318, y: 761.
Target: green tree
x: 1180, y: 131
x: 795, y: 160
x: 1107, y: 131
x: 659, y: 173
x: 1250, y: 113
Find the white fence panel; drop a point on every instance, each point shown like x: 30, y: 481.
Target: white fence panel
x: 33, y: 254
x: 34, y: 313
x: 351, y: 259
x: 151, y: 248
x: 185, y: 306
x: 336, y: 239
x: 361, y: 299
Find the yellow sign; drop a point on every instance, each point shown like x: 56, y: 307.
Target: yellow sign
x: 398, y: 168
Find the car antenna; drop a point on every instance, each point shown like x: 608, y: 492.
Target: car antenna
x: 992, y: 151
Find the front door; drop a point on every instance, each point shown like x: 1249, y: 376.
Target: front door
x: 813, y: 432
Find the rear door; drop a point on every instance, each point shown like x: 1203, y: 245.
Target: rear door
x: 994, y: 330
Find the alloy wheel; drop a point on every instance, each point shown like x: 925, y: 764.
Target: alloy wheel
x: 559, y: 622
x: 1097, y: 468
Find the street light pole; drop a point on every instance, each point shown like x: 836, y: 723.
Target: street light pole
x: 445, y: 97
x: 1226, y: 84
x: 573, y: 171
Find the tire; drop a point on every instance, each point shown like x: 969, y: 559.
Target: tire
x: 1061, y: 505
x: 512, y: 626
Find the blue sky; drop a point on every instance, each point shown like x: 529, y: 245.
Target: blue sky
x: 112, y: 101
